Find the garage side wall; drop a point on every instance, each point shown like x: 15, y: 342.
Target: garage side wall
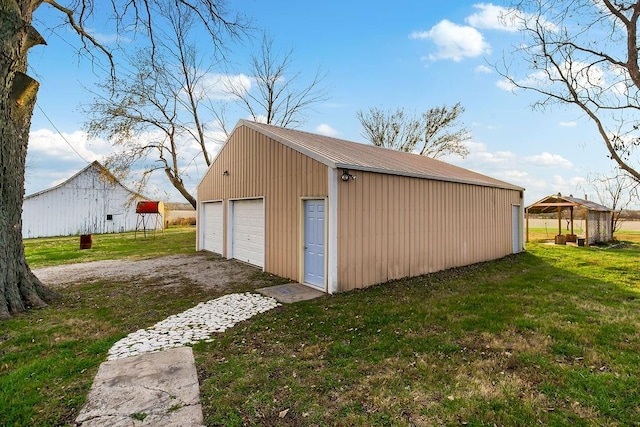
x: 258, y: 166
x: 391, y: 227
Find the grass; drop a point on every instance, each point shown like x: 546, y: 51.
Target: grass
x: 550, y: 336
x: 49, y: 357
x: 48, y: 251
x: 541, y: 234
x: 547, y: 337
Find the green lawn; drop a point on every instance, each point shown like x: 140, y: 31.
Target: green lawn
x: 550, y: 336
x: 46, y: 251
x: 544, y: 234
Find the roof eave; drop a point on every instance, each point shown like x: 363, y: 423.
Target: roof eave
x: 427, y: 176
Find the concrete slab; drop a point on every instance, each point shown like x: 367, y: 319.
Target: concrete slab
x: 153, y: 389
x: 291, y: 292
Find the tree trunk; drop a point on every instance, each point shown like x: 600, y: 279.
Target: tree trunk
x: 19, y: 288
x: 179, y: 185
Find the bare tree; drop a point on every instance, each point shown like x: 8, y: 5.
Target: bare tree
x: 434, y: 134
x: 281, y: 97
x: 391, y: 129
x: 583, y: 53
x: 19, y: 288
x: 617, y: 190
x: 155, y: 114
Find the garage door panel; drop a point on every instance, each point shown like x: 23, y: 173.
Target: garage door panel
x: 213, y: 227
x: 248, y: 231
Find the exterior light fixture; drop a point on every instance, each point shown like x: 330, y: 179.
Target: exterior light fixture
x: 225, y: 173
x: 346, y: 176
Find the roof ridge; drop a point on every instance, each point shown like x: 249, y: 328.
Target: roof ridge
x: 344, y: 154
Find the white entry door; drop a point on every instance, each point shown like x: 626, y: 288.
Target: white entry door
x: 314, y: 243
x: 248, y: 231
x: 213, y: 227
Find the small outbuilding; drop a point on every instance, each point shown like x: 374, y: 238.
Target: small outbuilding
x: 598, y: 219
x: 90, y: 202
x: 338, y: 215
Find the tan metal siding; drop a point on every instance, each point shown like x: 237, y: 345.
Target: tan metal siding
x: 391, y: 227
x: 258, y: 166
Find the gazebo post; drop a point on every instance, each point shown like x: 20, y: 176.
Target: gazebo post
x: 571, y: 210
x: 559, y: 220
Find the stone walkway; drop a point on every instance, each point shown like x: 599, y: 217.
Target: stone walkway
x: 140, y: 385
x: 193, y: 325
x: 150, y: 377
x: 153, y: 389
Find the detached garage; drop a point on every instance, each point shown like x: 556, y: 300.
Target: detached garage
x: 337, y: 215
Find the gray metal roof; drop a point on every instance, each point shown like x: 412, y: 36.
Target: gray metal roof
x: 343, y: 154
x: 551, y: 204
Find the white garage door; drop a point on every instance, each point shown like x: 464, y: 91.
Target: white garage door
x: 213, y: 226
x: 248, y: 231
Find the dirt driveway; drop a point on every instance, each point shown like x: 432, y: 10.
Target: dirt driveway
x: 202, y: 269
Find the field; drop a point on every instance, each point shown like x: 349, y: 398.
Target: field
x: 546, y: 229
x: 550, y: 336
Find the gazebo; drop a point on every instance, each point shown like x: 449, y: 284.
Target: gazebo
x: 598, y: 218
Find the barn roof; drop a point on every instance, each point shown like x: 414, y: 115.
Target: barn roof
x: 343, y: 154
x: 94, y: 165
x: 551, y: 204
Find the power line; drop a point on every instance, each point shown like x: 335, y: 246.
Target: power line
x: 60, y: 133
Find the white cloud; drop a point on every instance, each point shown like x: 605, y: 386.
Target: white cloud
x: 570, y: 124
x: 484, y: 161
x: 568, y: 186
x: 585, y: 77
x: 515, y: 174
x: 218, y: 86
x: 483, y: 69
x: 536, y: 79
x: 546, y: 159
x: 325, y: 129
x: 505, y: 84
x: 523, y: 171
x: 454, y: 41
x: 106, y: 39
x: 492, y: 17
x: 474, y: 146
x: 67, y: 146
x: 260, y: 118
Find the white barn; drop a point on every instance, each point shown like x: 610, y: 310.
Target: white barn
x: 90, y: 202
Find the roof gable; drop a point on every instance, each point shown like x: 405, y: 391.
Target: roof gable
x: 342, y: 154
x: 95, y: 165
x: 552, y: 203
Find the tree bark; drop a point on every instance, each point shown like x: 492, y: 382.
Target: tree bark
x: 20, y: 289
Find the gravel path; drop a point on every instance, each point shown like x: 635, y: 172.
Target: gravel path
x: 193, y: 325
x: 202, y: 269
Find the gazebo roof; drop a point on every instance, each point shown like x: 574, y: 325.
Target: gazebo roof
x: 551, y: 204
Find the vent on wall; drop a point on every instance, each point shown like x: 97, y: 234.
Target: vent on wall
x: 109, y: 217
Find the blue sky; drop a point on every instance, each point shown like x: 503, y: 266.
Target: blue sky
x: 416, y: 55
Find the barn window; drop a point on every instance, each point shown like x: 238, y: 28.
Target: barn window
x: 109, y: 217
